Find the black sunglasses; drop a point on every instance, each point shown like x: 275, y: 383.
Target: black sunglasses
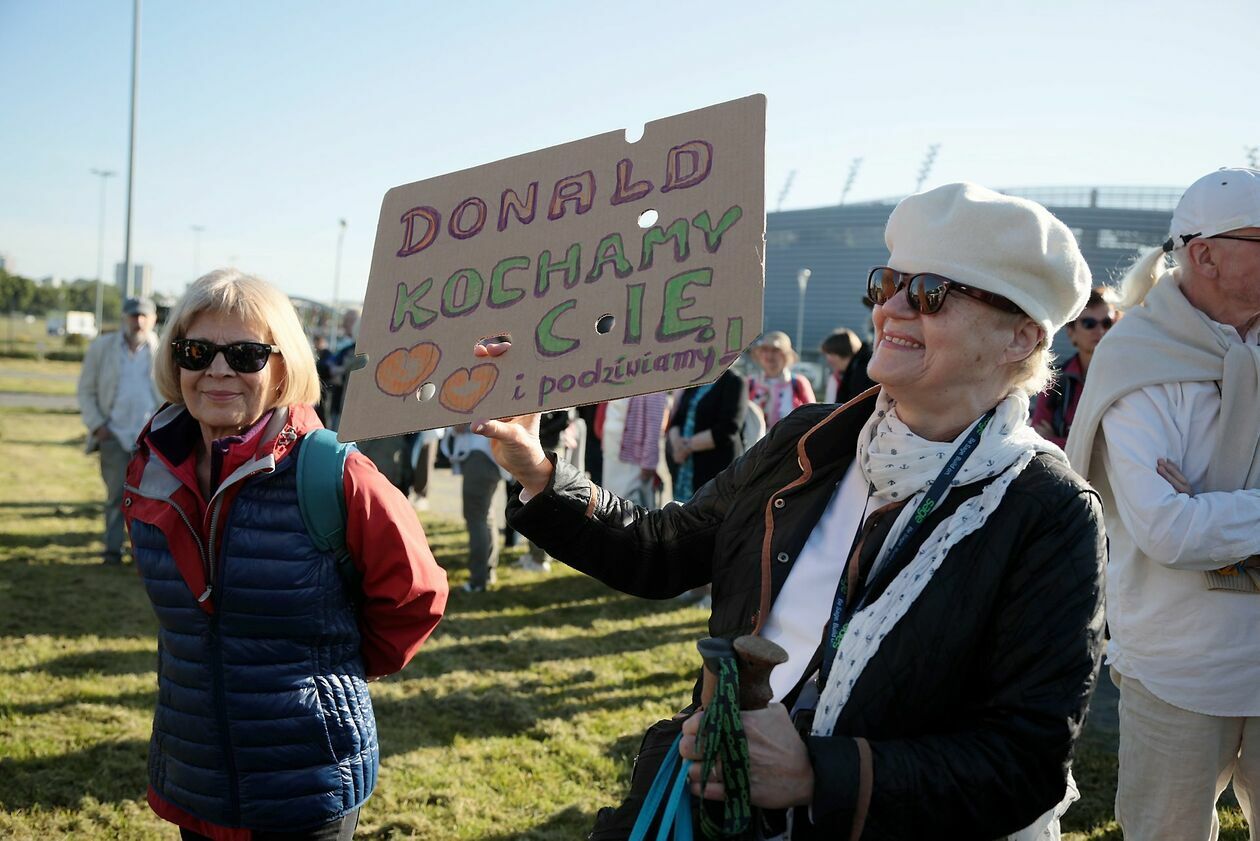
x: 242, y: 357
x: 926, y: 292
x: 1090, y: 323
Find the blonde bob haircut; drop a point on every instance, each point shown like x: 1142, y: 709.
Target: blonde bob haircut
x: 257, y: 304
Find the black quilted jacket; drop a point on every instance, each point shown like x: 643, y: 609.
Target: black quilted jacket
x: 974, y: 700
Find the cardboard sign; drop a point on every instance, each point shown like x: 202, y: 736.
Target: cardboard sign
x: 554, y: 250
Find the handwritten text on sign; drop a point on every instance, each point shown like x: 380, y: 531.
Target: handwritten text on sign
x: 549, y: 249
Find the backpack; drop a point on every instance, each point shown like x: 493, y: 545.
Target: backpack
x: 321, y: 466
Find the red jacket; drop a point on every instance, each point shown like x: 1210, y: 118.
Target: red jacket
x: 404, y: 589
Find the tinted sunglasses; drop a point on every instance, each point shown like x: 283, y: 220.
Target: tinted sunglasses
x: 1091, y: 323
x: 926, y: 292
x: 242, y: 357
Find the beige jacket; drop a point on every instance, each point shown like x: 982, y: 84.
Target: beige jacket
x: 98, y: 383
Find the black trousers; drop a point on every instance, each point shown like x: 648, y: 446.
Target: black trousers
x: 341, y: 829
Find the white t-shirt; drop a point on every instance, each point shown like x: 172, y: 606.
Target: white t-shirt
x: 1192, y: 647
x: 798, y: 617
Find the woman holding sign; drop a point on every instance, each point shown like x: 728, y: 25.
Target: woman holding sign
x: 932, y: 566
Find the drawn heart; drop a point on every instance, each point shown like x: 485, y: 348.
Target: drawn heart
x: 400, y: 372
x: 465, y: 388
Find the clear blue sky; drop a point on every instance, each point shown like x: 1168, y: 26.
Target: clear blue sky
x: 266, y: 122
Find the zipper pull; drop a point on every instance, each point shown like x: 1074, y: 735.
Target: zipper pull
x: 204, y: 595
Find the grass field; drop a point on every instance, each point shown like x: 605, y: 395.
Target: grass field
x: 517, y: 720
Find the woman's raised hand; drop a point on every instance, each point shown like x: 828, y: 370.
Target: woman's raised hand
x: 515, y: 440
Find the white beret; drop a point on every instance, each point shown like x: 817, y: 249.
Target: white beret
x: 1001, y: 244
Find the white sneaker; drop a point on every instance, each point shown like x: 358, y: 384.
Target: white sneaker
x: 419, y: 503
x: 528, y: 564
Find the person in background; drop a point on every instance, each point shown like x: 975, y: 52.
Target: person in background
x: 777, y: 391
x: 1168, y: 431
x: 631, y: 433
x: 266, y: 642
x: 338, y: 365
x: 116, y: 399
x: 471, y: 459
x: 323, y: 369
x: 556, y: 431
x: 847, y: 358
x: 593, y: 449
x: 931, y: 565
x: 706, y: 432
x: 1056, y: 406
x: 424, y: 446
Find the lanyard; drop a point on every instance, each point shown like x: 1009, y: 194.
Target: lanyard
x: 838, y: 623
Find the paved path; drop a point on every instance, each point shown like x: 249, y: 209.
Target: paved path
x: 47, y: 402
x: 38, y: 375
x: 53, y: 402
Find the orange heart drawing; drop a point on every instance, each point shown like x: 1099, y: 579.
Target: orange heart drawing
x: 400, y: 372
x: 465, y: 388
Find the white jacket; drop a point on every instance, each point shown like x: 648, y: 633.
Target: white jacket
x: 98, y: 382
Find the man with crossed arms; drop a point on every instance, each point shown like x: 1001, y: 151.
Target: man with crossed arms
x: 1168, y: 430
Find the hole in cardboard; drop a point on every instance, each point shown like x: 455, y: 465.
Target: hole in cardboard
x: 495, y: 339
x: 648, y: 218
x: 426, y: 392
x: 605, y: 324
x: 634, y: 134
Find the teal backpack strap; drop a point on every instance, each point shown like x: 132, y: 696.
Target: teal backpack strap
x: 321, y: 469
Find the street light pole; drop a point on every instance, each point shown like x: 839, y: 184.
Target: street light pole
x: 341, y: 237
x: 197, y: 229
x: 103, y: 174
x: 131, y: 146
x: 802, y: 281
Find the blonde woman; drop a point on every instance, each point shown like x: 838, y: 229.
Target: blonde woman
x: 263, y: 722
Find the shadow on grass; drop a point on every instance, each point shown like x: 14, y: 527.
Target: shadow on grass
x: 43, y: 540
x: 58, y: 599
x: 35, y: 412
x: 48, y: 509
x: 511, y: 655
x: 565, y: 825
x: 562, y: 826
x: 101, y: 662
x: 513, y: 710
x: 109, y: 772
x: 141, y: 701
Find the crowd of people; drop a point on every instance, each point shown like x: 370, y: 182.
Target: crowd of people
x: 930, y: 542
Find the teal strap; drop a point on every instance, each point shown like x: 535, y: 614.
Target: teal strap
x: 677, y: 808
x: 669, y: 789
x: 321, y: 470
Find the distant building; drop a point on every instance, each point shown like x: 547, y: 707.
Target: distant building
x: 840, y: 244
x: 141, y: 285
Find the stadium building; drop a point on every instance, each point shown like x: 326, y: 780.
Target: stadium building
x: 840, y: 244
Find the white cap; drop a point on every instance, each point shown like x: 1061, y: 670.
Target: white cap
x: 1001, y: 244
x: 1222, y: 201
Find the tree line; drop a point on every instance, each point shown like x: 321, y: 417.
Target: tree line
x: 22, y: 295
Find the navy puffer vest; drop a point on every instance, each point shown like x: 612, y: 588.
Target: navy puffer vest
x: 263, y: 717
